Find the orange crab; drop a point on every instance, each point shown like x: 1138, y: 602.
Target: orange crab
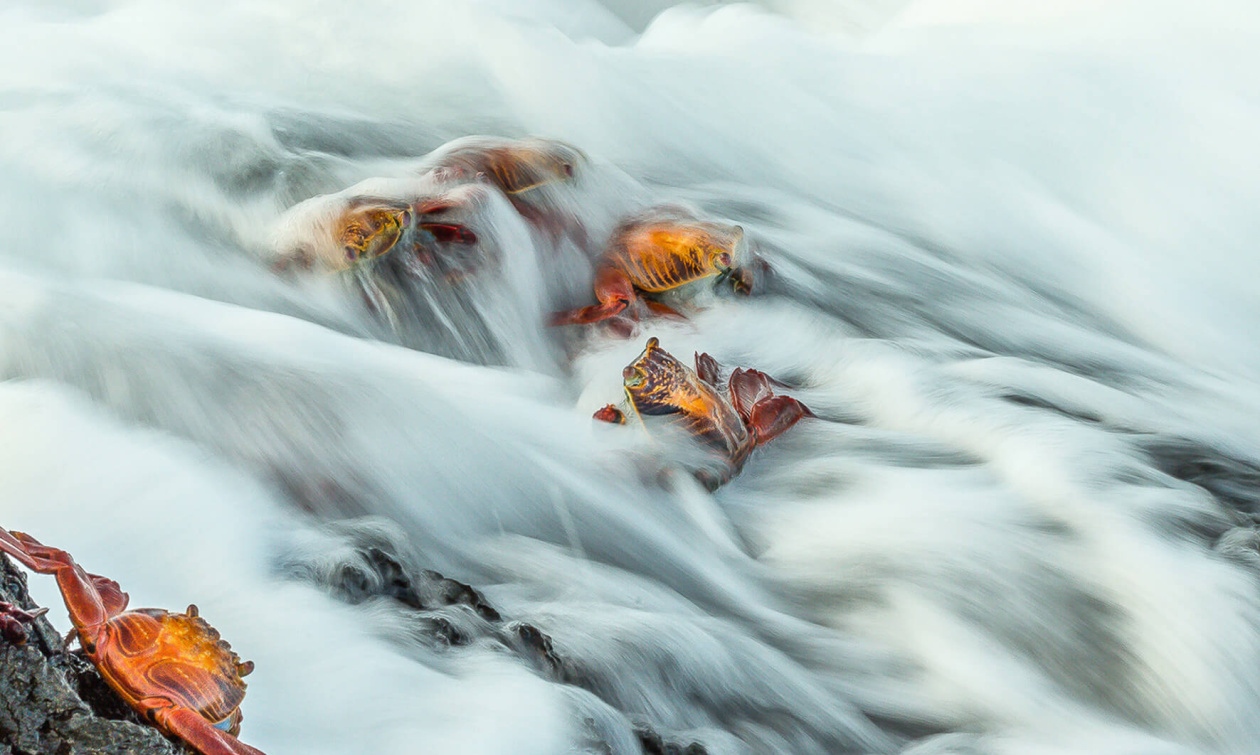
x: 171, y: 668
x: 368, y: 228
x: 657, y: 255
x: 657, y: 384
x: 532, y: 173
x: 13, y: 621
x: 518, y: 166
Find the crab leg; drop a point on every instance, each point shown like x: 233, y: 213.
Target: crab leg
x: 450, y: 233
x: 741, y: 279
x: 614, y: 291
x: 90, y: 598
x: 663, y: 310
x: 196, y: 731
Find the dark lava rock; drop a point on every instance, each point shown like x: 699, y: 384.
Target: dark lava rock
x: 369, y: 559
x: 54, y: 703
x: 655, y: 744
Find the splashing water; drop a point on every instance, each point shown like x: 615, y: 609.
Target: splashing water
x: 1013, y: 275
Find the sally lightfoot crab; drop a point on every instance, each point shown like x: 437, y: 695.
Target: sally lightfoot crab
x: 340, y: 233
x: 530, y: 172
x: 731, y: 425
x: 657, y: 256
x: 171, y: 668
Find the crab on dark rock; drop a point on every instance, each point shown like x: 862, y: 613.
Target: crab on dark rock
x: 730, y: 420
x: 530, y: 172
x: 171, y: 668
x: 657, y: 259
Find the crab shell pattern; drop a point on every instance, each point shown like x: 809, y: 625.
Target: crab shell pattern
x: 659, y: 252
x: 657, y: 384
x: 534, y: 174
x: 375, y: 218
x: 516, y: 166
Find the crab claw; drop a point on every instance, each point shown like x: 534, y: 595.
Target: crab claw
x: 708, y: 369
x: 13, y: 621
x: 767, y: 414
x: 741, y: 279
x: 610, y: 414
x: 771, y: 417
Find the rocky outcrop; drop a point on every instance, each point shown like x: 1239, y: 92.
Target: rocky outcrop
x: 53, y: 702
x: 368, y: 559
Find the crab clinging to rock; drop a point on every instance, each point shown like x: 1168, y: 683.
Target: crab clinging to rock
x: 730, y: 420
x: 14, y: 620
x: 535, y: 174
x: 171, y: 668
x: 517, y: 166
x: 372, y: 219
x: 658, y: 257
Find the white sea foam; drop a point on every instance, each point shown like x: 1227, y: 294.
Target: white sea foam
x: 1014, y: 277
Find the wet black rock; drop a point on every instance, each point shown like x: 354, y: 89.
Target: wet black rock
x: 368, y: 559
x: 54, y: 703
x: 654, y: 744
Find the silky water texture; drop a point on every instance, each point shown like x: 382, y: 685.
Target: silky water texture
x: 1014, y: 276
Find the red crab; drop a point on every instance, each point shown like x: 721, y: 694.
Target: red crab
x: 171, y: 668
x: 748, y: 415
x: 657, y: 255
x: 367, y: 228
x: 525, y: 170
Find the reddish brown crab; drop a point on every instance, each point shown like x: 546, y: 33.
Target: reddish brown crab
x: 172, y: 668
x: 657, y: 254
x: 526, y: 170
x: 657, y: 384
x: 368, y: 228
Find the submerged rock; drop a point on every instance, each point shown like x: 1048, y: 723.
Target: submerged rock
x: 368, y: 559
x: 53, y: 702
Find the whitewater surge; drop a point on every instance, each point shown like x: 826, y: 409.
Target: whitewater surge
x: 1013, y: 276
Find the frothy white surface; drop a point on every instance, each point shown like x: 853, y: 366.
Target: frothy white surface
x: 1016, y: 279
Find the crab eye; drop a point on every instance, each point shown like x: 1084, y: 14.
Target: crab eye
x: 633, y: 377
x: 724, y: 259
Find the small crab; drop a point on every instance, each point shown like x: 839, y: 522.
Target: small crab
x: 367, y: 228
x: 516, y: 166
x: 171, y: 668
x: 659, y: 254
x: 527, y: 171
x: 657, y: 384
x: 13, y: 621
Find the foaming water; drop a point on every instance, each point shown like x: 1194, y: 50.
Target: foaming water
x: 1011, y: 274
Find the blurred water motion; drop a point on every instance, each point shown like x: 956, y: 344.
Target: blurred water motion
x: 1013, y: 275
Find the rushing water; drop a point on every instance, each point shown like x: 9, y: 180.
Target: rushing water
x: 1015, y: 278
